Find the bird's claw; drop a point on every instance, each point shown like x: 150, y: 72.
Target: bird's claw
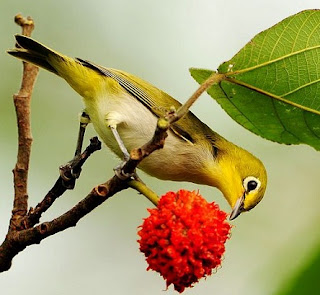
x: 118, y: 170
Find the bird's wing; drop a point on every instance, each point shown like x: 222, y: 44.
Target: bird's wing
x: 146, y: 93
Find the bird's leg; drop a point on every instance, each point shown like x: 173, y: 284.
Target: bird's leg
x: 84, y: 121
x: 126, y: 156
x: 67, y: 169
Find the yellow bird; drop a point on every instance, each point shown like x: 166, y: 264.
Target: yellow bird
x: 120, y: 104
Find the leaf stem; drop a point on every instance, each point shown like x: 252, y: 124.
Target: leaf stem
x: 214, y: 78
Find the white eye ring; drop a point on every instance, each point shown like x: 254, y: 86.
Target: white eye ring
x: 251, y: 183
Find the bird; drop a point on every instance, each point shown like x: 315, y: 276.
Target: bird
x: 124, y: 108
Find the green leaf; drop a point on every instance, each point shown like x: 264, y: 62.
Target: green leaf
x: 272, y: 85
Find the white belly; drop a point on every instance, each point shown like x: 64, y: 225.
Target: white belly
x: 178, y: 160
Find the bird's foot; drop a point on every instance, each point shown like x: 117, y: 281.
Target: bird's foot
x: 118, y: 170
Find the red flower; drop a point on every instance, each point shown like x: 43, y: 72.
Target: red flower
x: 183, y: 238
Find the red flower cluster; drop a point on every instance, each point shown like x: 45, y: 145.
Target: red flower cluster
x: 183, y: 238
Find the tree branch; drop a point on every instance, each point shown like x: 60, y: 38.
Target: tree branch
x: 21, y: 232
x: 22, y: 102
x: 64, y: 182
x: 16, y: 241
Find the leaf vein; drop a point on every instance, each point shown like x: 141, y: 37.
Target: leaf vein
x: 308, y: 126
x: 271, y: 95
x: 239, y: 110
x: 281, y: 122
x: 300, y: 87
x: 295, y: 53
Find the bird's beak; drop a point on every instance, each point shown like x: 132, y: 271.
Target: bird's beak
x: 238, y: 207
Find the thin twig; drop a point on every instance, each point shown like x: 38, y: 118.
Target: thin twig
x: 215, y: 78
x: 64, y: 182
x: 22, y: 102
x: 157, y: 142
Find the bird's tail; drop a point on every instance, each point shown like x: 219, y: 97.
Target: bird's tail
x: 34, y: 52
x: 81, y: 78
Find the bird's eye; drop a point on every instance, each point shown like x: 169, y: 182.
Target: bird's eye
x: 251, y: 183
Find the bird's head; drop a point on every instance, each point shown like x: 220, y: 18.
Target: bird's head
x: 242, y: 178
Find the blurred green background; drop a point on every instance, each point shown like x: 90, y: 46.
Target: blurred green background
x: 271, y: 247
